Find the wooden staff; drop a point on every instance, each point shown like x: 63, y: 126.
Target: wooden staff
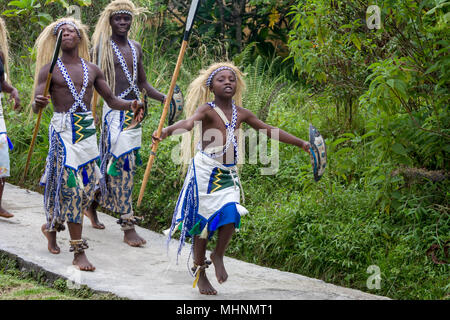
x: 46, y: 90
x: 190, y: 20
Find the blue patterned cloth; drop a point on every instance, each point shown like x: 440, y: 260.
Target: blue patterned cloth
x: 63, y: 201
x: 118, y: 165
x: 116, y: 183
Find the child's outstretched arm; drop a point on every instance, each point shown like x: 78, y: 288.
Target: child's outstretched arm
x: 183, y: 126
x: 252, y: 120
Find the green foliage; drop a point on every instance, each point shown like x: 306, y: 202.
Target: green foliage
x: 400, y: 68
x: 236, y: 23
x: 65, y: 4
x: 28, y: 10
x: 262, y: 95
x: 327, y: 47
x: 31, y: 16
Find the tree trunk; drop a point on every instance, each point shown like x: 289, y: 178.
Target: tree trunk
x: 349, y: 111
x: 238, y: 11
x: 337, y: 110
x: 222, y: 24
x: 222, y: 18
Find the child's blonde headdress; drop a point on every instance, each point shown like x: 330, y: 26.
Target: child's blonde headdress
x: 4, y: 45
x: 103, y: 32
x: 199, y: 93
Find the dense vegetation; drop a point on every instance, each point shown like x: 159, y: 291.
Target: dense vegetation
x: 380, y: 97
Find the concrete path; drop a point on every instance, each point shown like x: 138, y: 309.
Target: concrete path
x: 148, y: 272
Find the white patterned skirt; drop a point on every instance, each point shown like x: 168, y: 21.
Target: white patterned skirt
x: 210, y: 198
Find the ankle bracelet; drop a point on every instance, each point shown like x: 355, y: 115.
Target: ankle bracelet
x: 78, y: 246
x: 196, y: 269
x: 127, y: 221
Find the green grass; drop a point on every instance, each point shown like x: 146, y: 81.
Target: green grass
x: 21, y: 284
x: 13, y: 288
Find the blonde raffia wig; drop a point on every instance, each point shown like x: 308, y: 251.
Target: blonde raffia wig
x: 45, y: 43
x: 4, y: 45
x: 103, y: 32
x: 199, y: 93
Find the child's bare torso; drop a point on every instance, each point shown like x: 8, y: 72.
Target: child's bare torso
x: 214, y: 133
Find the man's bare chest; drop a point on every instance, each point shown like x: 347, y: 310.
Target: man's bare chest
x: 73, y: 74
x: 124, y: 59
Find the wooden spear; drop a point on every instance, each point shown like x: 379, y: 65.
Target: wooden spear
x: 189, y: 22
x: 46, y: 90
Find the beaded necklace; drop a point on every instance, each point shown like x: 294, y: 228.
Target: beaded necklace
x: 131, y: 78
x: 78, y: 97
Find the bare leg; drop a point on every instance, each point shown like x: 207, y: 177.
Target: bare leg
x: 204, y: 286
x: 132, y: 238
x: 80, y: 259
x: 3, y: 213
x: 91, y: 213
x: 51, y: 239
x: 224, y: 237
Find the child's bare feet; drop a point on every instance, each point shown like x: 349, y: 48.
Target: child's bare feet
x: 204, y: 286
x: 91, y: 213
x: 5, y: 214
x: 51, y: 238
x: 81, y: 262
x: 132, y: 238
x: 221, y: 273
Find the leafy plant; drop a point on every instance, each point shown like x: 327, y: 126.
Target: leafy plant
x: 28, y: 9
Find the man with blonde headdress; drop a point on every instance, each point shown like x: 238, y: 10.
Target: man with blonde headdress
x: 5, y: 142
x: 71, y: 171
x: 121, y: 61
